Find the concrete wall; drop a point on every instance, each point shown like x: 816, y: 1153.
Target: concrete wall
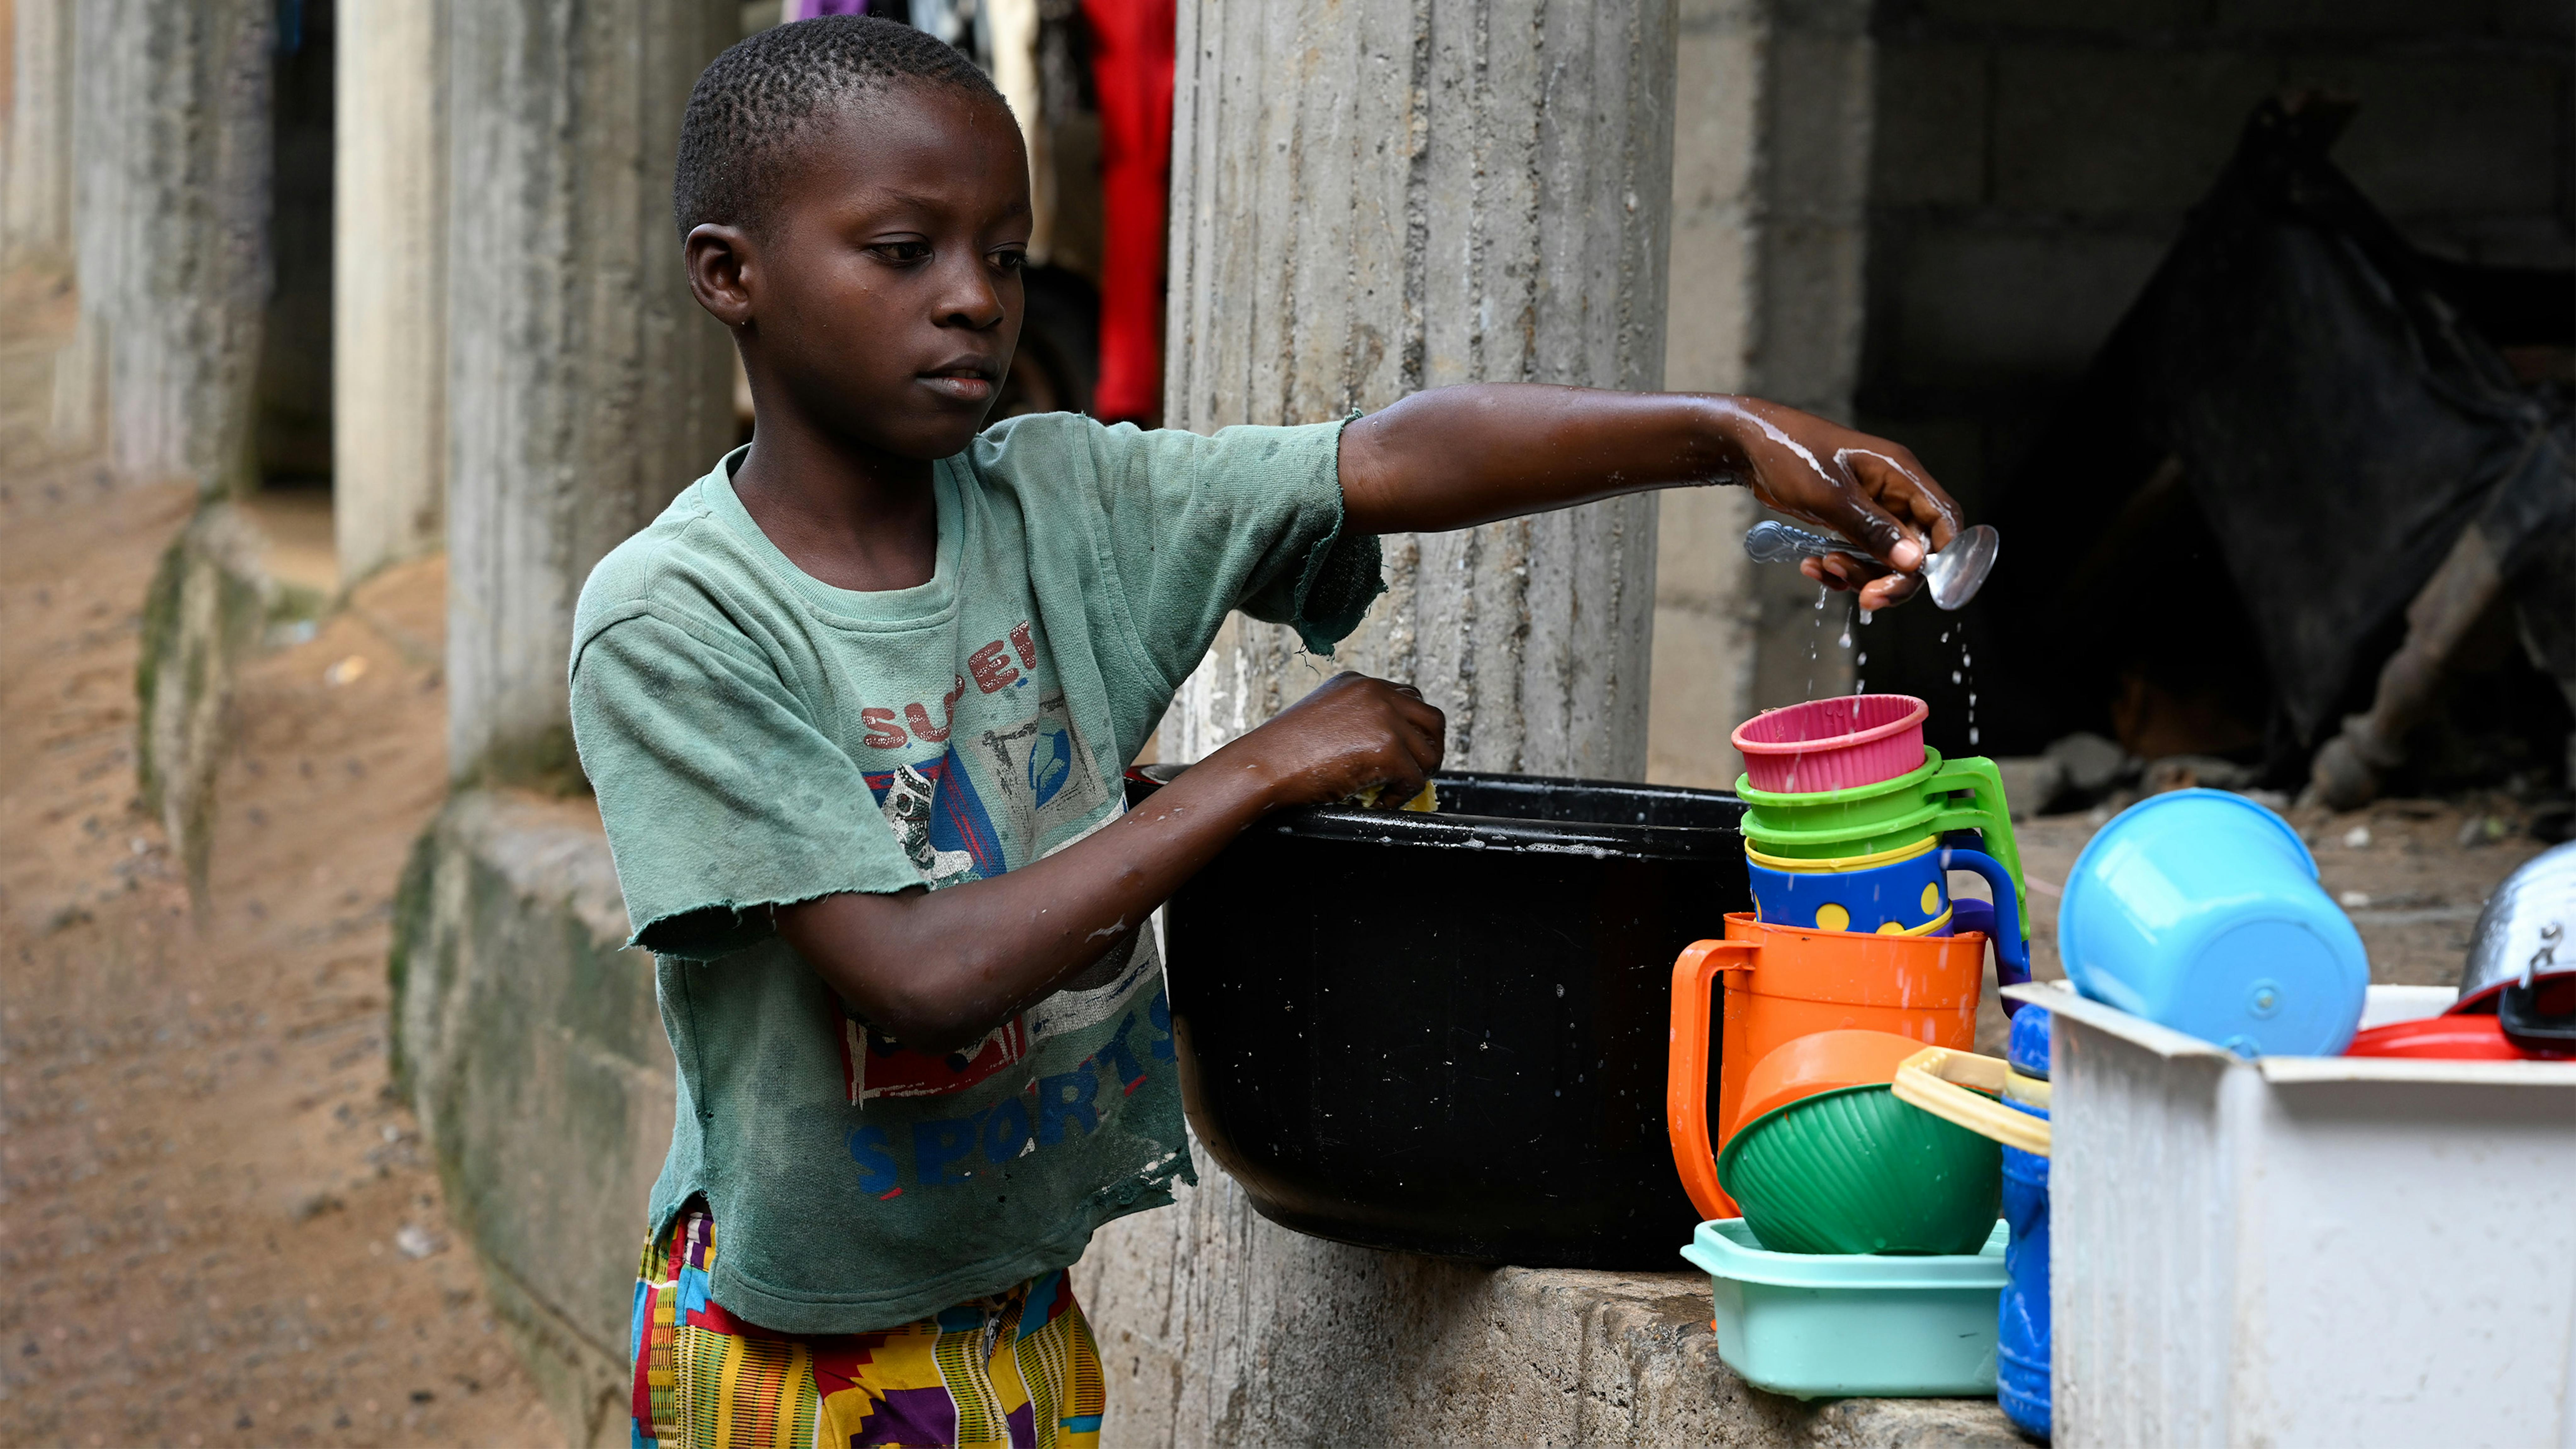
x: 170, y: 211
x: 1256, y: 1336
x: 1374, y: 199
x: 203, y: 618
x: 1771, y: 141
x: 2033, y: 162
x: 584, y: 385
x: 532, y: 1048
x: 389, y: 298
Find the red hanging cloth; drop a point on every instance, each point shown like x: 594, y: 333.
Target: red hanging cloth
x: 1131, y: 74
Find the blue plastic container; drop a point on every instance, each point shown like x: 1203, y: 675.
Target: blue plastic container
x: 1909, y: 897
x: 2200, y: 911
x: 2021, y: 1313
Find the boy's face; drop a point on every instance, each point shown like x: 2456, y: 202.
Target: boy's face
x: 883, y: 296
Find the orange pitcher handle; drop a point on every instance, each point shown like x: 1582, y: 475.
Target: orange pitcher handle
x: 1695, y: 971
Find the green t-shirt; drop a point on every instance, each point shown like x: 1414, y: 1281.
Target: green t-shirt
x: 757, y: 737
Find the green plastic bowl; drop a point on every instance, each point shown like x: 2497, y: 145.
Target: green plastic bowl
x: 1857, y: 1171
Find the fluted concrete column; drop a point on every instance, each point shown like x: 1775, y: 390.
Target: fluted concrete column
x: 170, y: 222
x: 388, y: 294
x: 36, y: 164
x: 1772, y: 133
x: 1369, y: 199
x: 584, y: 386
x: 1378, y: 197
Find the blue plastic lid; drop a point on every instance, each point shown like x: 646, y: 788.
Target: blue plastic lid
x: 2027, y: 1048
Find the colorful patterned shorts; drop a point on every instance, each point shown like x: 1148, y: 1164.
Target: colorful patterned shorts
x: 1016, y: 1370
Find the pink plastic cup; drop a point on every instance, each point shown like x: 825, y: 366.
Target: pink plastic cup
x: 1833, y: 744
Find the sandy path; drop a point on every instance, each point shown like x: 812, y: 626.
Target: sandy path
x: 219, y: 1225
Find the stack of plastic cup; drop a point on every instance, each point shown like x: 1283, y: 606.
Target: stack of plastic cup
x: 1852, y: 824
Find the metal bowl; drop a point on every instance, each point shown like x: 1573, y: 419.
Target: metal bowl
x: 2522, y: 966
x: 2522, y: 934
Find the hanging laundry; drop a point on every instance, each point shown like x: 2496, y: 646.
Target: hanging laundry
x: 882, y: 9
x: 1131, y: 70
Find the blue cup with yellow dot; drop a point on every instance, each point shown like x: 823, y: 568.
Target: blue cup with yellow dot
x: 1899, y: 892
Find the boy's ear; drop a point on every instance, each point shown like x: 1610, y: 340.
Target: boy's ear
x: 722, y: 271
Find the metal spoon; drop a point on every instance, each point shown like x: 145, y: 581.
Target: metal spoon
x: 1953, y: 575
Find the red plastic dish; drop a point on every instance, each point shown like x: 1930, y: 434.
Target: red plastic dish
x: 1833, y: 744
x: 2443, y: 1038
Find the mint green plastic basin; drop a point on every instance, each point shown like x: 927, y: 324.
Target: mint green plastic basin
x: 1831, y: 1325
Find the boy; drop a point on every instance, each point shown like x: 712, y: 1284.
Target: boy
x: 856, y: 708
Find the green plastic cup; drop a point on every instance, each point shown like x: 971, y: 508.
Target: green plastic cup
x: 1857, y: 1171
x: 1932, y: 800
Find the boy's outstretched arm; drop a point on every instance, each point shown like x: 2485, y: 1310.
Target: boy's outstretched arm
x: 936, y: 970
x: 1457, y: 456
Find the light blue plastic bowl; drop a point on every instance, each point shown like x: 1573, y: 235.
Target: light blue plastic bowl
x: 1831, y: 1325
x: 2200, y: 911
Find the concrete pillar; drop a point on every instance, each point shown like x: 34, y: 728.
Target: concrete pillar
x: 389, y: 297
x: 170, y: 218
x: 36, y: 163
x: 1375, y: 198
x: 1370, y: 199
x: 1772, y: 130
x: 584, y: 386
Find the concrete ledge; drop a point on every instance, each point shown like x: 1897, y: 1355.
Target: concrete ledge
x: 201, y: 620
x: 532, y: 1048
x: 1217, y: 1327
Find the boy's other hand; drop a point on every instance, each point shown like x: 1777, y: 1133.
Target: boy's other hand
x: 1352, y: 733
x: 1867, y: 489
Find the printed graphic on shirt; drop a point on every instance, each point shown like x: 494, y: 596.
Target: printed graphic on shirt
x: 939, y: 820
x: 875, y: 1065
x: 1046, y: 1111
x: 1029, y: 782
x: 1044, y: 779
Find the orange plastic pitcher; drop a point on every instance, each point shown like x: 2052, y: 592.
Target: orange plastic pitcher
x: 1783, y: 982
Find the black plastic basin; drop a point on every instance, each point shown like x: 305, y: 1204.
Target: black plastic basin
x: 1446, y: 1033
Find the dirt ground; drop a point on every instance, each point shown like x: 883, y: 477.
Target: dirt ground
x: 221, y: 1228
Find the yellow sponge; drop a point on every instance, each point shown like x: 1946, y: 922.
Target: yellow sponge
x: 1373, y: 798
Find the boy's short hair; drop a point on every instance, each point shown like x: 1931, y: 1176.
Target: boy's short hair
x: 752, y: 103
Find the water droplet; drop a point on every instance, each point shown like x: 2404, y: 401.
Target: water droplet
x: 1972, y: 699
x: 1945, y: 636
x: 1868, y: 614
x: 1954, y: 676
x: 1864, y: 657
x: 1845, y: 641
x: 1972, y: 734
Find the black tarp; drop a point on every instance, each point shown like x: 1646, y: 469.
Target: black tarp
x: 2337, y: 419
